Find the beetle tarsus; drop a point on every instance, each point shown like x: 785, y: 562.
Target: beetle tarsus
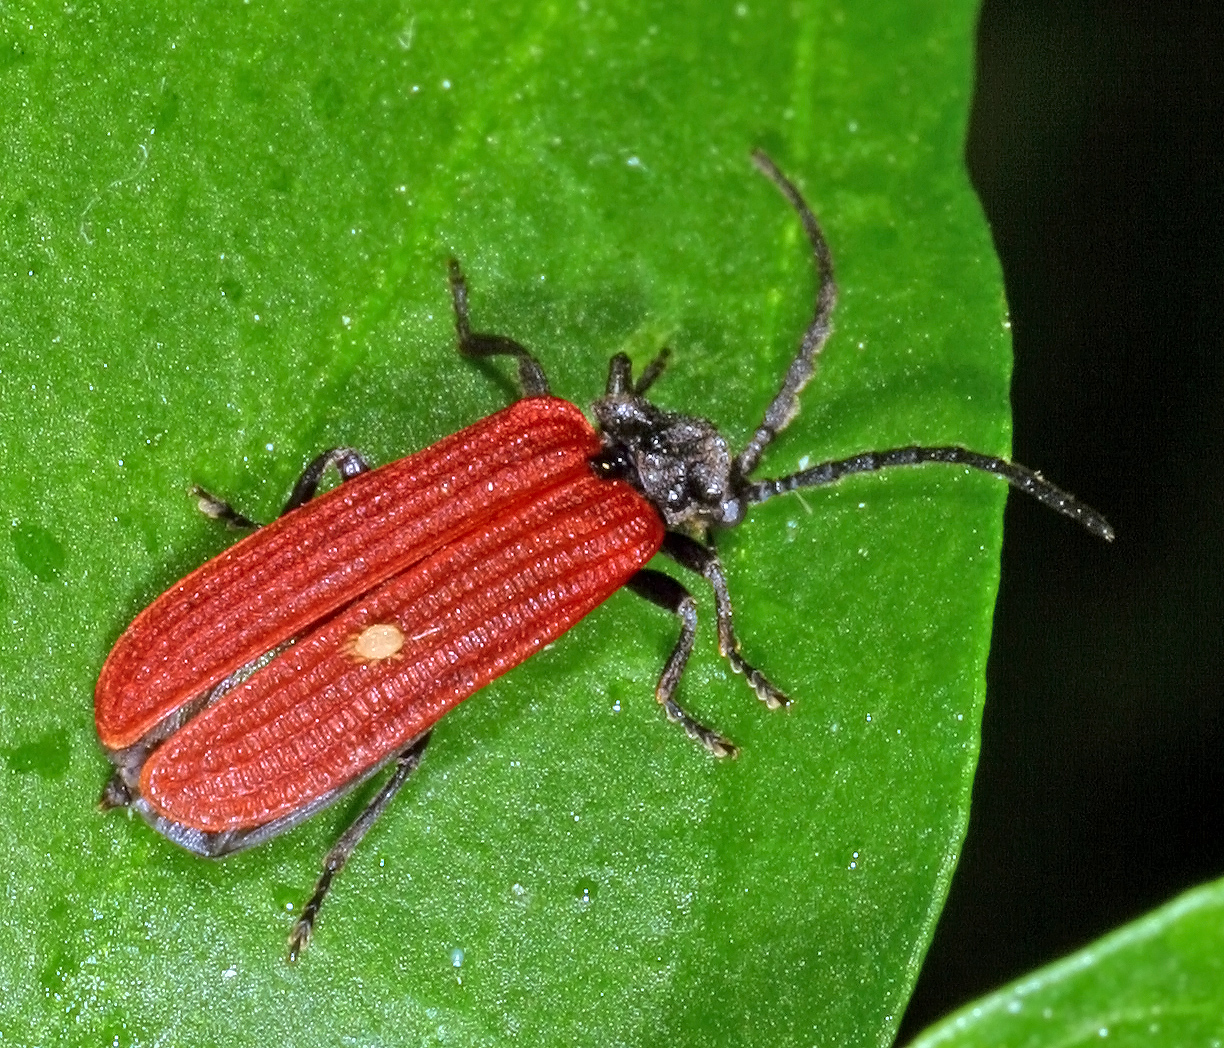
x: 219, y: 509
x: 773, y: 697
x: 115, y: 794
x: 303, y: 927
x: 717, y: 744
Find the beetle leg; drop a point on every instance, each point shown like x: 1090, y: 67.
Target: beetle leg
x: 532, y: 379
x: 347, y: 461
x: 219, y: 509
x: 405, y: 764
x: 668, y: 594
x: 704, y: 560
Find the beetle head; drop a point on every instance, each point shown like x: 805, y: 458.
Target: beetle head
x: 680, y: 463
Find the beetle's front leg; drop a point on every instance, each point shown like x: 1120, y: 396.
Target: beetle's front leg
x: 532, y: 380
x: 347, y: 461
x: 704, y: 560
x: 668, y: 594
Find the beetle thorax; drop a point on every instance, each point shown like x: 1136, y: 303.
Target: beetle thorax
x: 681, y: 463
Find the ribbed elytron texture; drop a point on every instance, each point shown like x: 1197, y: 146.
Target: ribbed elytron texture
x: 316, y: 717
x: 288, y: 576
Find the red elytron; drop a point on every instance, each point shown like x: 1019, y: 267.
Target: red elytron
x: 477, y: 552
x: 326, y: 645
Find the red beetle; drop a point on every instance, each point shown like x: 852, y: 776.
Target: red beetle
x: 323, y: 647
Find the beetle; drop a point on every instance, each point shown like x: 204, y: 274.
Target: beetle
x: 322, y: 648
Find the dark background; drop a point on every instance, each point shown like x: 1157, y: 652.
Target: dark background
x: 1095, y: 145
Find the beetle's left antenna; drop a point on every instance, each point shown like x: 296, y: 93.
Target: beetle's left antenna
x: 785, y: 404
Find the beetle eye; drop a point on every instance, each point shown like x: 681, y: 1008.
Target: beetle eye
x: 612, y: 464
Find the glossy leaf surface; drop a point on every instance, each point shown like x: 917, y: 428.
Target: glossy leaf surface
x: 225, y: 230
x: 1157, y: 981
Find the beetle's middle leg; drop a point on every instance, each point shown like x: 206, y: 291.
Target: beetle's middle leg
x: 406, y: 763
x: 704, y: 560
x: 347, y: 461
x: 668, y: 594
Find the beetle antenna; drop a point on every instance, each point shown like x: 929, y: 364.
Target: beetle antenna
x: 785, y: 404
x: 1026, y: 480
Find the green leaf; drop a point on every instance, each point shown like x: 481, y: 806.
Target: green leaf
x: 224, y: 233
x: 1157, y: 981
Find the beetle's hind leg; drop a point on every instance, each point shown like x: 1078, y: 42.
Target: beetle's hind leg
x: 668, y: 594
x: 704, y: 560
x: 347, y: 461
x: 405, y: 764
x: 532, y: 379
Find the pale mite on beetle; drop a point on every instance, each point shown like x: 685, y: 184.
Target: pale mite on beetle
x: 383, y: 640
x: 680, y: 464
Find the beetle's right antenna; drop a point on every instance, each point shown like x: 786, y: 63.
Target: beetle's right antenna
x: 1019, y: 477
x: 786, y: 403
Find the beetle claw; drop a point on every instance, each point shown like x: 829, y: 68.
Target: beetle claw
x: 115, y: 794
x: 299, y: 937
x: 773, y: 697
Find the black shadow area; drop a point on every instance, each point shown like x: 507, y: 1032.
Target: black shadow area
x: 1095, y: 145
